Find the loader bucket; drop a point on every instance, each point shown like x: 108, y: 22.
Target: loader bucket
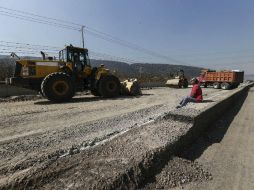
x: 130, y: 87
x: 172, y: 83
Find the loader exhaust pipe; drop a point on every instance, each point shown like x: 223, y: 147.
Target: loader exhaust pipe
x: 43, y: 55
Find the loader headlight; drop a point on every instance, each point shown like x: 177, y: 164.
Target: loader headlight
x: 25, y: 71
x: 28, y: 71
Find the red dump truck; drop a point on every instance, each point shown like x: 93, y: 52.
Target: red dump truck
x: 221, y: 79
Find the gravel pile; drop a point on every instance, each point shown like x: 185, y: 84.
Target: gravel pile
x: 21, y: 98
x: 178, y: 172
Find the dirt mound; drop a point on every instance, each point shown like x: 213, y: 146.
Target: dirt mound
x: 178, y: 172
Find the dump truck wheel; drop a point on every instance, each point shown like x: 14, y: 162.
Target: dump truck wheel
x: 216, y: 85
x: 58, y: 87
x: 109, y: 86
x: 225, y: 86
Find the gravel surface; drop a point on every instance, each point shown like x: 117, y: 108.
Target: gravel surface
x: 21, y: 98
x: 179, y: 172
x: 35, y: 133
x: 104, y: 164
x: 227, y: 150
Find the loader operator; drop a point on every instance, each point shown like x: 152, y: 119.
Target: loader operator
x: 195, y: 96
x: 78, y: 63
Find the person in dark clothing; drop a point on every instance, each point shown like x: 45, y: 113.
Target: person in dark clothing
x: 195, y: 96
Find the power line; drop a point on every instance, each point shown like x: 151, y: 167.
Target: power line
x: 24, y: 48
x: 94, y: 32
x: 34, y: 20
x: 135, y: 47
x: 28, y: 44
x: 18, y: 45
x: 27, y: 47
x: 89, y: 30
x: 36, y: 15
x: 74, y: 26
x: 25, y: 52
x: 21, y: 17
x: 20, y: 51
x: 9, y: 52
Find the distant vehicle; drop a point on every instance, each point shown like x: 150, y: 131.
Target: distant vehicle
x: 221, y: 79
x: 180, y: 81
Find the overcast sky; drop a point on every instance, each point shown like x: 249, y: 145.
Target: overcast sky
x: 210, y: 33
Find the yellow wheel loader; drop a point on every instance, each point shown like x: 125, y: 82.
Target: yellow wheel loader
x: 59, y: 80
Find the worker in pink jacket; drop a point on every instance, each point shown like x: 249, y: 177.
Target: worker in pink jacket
x: 195, y: 96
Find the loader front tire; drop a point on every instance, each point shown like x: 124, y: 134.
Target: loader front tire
x: 109, y: 86
x: 58, y: 87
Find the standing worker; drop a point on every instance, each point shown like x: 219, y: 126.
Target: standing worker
x: 195, y: 96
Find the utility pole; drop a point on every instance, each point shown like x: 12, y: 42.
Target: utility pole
x: 82, y: 33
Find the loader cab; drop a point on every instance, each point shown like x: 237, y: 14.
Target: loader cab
x: 77, y: 56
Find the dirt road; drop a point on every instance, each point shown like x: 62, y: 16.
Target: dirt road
x: 231, y: 153
x: 221, y: 159
x: 34, y: 131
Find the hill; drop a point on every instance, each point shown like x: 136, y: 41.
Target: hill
x: 150, y: 69
x: 147, y: 71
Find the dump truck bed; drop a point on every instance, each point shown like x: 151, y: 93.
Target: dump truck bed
x: 224, y: 76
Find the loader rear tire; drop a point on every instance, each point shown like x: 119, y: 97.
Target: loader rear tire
x: 109, y: 86
x: 58, y: 87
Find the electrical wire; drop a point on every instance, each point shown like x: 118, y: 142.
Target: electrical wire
x: 89, y: 30
x: 33, y: 45
x: 25, y: 48
x: 44, y: 17
x: 38, y: 21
